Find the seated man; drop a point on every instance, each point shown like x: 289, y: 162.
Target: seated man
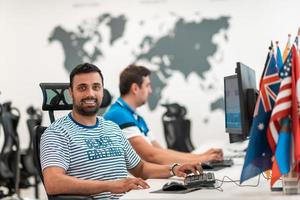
x: 135, y: 88
x: 87, y: 155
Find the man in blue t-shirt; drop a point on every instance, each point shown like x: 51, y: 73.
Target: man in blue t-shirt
x: 87, y: 155
x: 135, y: 88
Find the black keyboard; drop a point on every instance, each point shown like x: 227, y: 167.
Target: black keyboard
x: 200, y: 180
x: 221, y: 163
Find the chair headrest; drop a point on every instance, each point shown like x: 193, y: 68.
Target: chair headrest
x: 56, y: 97
x: 106, y: 100
x: 174, y: 110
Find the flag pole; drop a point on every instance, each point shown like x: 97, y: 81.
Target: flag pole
x: 298, y: 35
x: 266, y: 63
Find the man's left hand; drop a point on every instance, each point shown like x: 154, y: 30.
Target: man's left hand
x: 183, y: 170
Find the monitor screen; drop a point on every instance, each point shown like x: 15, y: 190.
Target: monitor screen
x: 232, y: 105
x: 240, y: 96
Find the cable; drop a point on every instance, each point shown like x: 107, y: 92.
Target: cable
x: 234, y: 181
x: 263, y: 174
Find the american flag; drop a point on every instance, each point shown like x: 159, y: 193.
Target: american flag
x: 283, y: 102
x: 281, y: 142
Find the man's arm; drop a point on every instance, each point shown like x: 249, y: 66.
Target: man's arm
x: 209, y: 155
x: 147, y: 170
x: 56, y: 181
x: 159, y: 155
x: 156, y: 144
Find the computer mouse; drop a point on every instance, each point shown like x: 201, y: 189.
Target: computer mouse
x: 206, y: 166
x: 173, y: 186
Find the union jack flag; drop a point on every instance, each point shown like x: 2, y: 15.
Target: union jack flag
x: 267, y: 94
x: 259, y: 155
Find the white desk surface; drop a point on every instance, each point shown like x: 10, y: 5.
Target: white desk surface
x: 230, y: 190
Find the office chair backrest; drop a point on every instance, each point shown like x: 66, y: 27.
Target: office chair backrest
x: 9, y: 156
x: 29, y: 176
x: 177, y: 128
x: 39, y: 130
x: 56, y: 97
x: 9, y: 117
x: 8, y: 144
x: 177, y: 134
x: 35, y: 119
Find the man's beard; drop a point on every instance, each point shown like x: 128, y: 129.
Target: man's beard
x: 87, y: 111
x: 143, y: 102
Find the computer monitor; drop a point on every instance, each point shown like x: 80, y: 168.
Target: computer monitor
x: 240, y: 96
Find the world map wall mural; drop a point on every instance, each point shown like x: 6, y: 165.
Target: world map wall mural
x: 185, y: 48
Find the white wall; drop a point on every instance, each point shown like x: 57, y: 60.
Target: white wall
x: 26, y: 57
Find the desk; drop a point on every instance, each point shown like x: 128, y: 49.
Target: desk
x: 230, y: 190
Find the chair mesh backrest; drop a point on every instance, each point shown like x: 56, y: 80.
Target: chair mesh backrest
x: 177, y: 128
x: 177, y: 134
x: 56, y: 97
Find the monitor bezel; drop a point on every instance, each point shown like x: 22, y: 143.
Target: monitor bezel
x: 246, y: 82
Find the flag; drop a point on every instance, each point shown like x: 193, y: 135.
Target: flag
x: 295, y: 107
x: 266, y: 63
x: 283, y: 103
x: 282, y: 159
x: 273, y: 128
x: 259, y: 154
x: 278, y: 57
x: 287, y: 48
x: 298, y: 35
x: 280, y: 143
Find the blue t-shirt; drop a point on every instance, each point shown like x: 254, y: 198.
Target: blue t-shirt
x: 98, y: 152
x: 123, y: 115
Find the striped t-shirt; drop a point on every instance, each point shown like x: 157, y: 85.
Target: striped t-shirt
x: 98, y: 152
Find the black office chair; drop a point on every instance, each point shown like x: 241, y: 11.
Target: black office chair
x: 9, y: 156
x: 27, y: 167
x: 56, y: 97
x: 177, y: 128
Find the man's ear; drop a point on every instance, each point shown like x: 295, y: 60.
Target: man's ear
x: 134, y: 88
x: 70, y: 91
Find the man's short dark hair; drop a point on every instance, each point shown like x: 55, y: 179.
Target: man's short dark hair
x: 84, y: 68
x: 132, y: 74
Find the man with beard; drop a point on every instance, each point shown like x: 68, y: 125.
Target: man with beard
x: 135, y: 88
x: 87, y: 155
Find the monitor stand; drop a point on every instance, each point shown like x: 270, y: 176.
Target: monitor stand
x: 236, y: 137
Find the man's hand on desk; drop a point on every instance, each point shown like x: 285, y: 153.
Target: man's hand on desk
x: 212, y: 154
x: 127, y: 184
x: 183, y: 170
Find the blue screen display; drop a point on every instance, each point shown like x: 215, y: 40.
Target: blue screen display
x: 232, y: 104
